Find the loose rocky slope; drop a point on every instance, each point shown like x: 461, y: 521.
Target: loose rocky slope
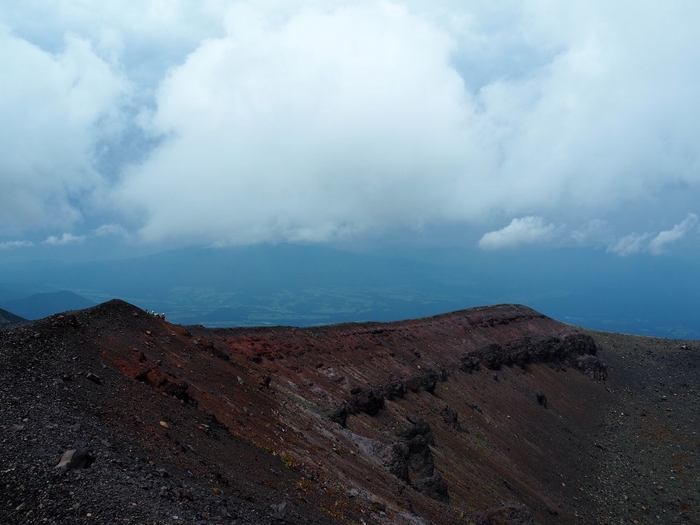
x: 490, y: 415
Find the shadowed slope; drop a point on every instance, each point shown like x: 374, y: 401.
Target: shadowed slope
x: 8, y: 318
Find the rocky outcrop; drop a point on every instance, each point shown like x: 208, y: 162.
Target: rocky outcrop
x: 577, y: 350
x: 426, y: 380
x: 365, y: 399
x: 370, y: 400
x: 412, y: 461
x: 451, y: 419
x: 528, y: 350
x: 470, y: 363
x: 591, y: 366
x: 394, y: 389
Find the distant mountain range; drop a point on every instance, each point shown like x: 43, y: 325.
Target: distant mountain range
x: 42, y: 305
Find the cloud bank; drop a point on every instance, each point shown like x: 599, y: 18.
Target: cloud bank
x: 335, y: 122
x: 311, y: 122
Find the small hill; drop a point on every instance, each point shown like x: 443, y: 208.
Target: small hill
x: 42, y: 305
x: 8, y: 318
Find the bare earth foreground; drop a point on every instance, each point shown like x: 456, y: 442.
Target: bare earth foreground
x: 494, y: 415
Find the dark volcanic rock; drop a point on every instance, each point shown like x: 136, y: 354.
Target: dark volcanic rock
x: 366, y: 399
x: 394, y: 389
x: 94, y: 378
x: 470, y: 363
x: 427, y: 381
x: 541, y: 399
x: 340, y: 415
x: 418, y: 458
x: 74, y: 459
x: 493, y: 356
x: 397, y: 462
x: 528, y: 350
x: 434, y: 487
x: 592, y: 367
x: 451, y: 418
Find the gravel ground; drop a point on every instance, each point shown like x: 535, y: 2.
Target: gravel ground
x: 56, y: 397
x: 648, y: 465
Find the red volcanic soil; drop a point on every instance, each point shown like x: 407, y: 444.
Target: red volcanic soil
x: 492, y: 415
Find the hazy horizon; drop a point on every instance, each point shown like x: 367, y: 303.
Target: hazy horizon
x: 481, y: 137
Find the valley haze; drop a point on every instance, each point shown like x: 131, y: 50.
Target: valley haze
x: 297, y: 285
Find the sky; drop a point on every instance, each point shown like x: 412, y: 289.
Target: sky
x: 500, y: 125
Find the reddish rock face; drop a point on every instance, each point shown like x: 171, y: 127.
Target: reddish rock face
x: 444, y: 418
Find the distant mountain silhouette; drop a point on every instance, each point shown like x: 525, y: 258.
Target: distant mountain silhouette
x: 42, y: 305
x: 8, y: 318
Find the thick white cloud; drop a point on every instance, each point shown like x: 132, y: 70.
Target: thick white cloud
x: 527, y: 230
x: 306, y: 120
x: 328, y: 124
x: 318, y: 123
x: 55, y: 108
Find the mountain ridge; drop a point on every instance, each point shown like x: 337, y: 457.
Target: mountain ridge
x: 475, y: 416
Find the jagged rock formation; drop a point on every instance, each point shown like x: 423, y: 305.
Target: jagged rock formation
x: 413, y: 456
